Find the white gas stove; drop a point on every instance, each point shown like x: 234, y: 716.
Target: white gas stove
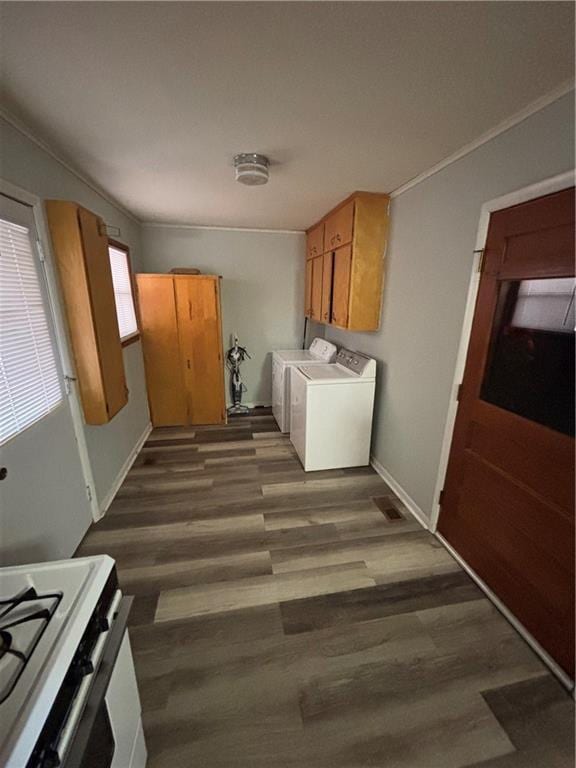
x: 65, y: 661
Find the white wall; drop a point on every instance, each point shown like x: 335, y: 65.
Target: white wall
x: 262, y: 288
x: 430, y: 253
x: 24, y: 163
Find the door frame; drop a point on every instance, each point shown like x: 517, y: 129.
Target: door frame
x: 34, y: 202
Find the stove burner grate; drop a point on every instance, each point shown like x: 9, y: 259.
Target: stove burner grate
x: 27, y: 601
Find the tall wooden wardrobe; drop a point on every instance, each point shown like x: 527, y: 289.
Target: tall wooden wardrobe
x: 182, y: 340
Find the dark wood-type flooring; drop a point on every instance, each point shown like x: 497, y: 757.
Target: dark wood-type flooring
x: 285, y: 618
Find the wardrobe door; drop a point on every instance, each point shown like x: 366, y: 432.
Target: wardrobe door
x: 201, y: 356
x: 159, y: 329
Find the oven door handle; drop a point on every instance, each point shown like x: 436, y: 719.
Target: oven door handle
x: 75, y: 754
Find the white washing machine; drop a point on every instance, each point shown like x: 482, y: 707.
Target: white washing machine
x: 321, y: 351
x: 332, y: 408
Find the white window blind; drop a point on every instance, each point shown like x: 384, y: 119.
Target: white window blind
x: 29, y: 381
x: 123, y: 292
x: 545, y: 304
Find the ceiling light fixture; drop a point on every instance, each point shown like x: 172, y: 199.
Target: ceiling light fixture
x: 251, y: 169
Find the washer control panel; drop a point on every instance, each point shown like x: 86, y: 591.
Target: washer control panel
x: 323, y: 350
x: 361, y: 364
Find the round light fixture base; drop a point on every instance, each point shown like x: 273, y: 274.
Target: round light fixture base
x: 251, y: 168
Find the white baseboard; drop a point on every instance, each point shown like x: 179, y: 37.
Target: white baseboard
x: 404, y: 497
x: 109, y: 498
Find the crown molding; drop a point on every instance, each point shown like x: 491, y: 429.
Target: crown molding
x: 17, y: 124
x: 161, y: 225
x: 505, y: 125
x: 536, y: 106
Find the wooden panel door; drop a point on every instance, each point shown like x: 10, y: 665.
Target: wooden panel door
x: 201, y: 355
x: 341, y: 285
x: 159, y: 327
x: 308, y: 289
x: 327, y: 262
x: 508, y: 503
x: 316, y: 298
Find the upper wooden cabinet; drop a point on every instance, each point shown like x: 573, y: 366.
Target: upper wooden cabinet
x: 315, y: 241
x: 316, y: 289
x: 308, y: 288
x: 339, y: 226
x: 327, y: 265
x: 355, y: 234
x: 80, y: 248
x: 341, y: 286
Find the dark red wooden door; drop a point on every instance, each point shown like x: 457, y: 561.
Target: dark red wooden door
x: 508, y: 501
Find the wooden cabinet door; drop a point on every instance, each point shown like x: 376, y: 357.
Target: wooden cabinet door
x: 341, y: 286
x: 339, y: 227
x: 97, y: 264
x: 201, y: 355
x: 327, y: 264
x: 316, y: 305
x: 159, y: 328
x: 81, y: 254
x: 315, y: 242
x: 308, y: 289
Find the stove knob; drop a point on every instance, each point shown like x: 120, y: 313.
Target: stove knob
x: 82, y: 669
x: 86, y: 667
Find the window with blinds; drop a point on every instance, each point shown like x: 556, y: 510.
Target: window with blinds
x: 30, y: 385
x: 122, y: 281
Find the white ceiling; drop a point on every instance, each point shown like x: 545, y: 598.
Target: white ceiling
x: 152, y: 100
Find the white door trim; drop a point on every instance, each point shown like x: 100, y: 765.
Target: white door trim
x: 541, y: 188
x: 67, y: 361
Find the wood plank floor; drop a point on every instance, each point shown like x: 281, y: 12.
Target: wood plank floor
x: 292, y: 619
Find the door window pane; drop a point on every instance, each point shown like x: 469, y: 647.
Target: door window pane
x: 530, y: 368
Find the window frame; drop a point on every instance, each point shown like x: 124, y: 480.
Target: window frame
x: 133, y: 337
x: 38, y: 266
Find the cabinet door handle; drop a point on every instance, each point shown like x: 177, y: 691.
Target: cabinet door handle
x: 338, y: 238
